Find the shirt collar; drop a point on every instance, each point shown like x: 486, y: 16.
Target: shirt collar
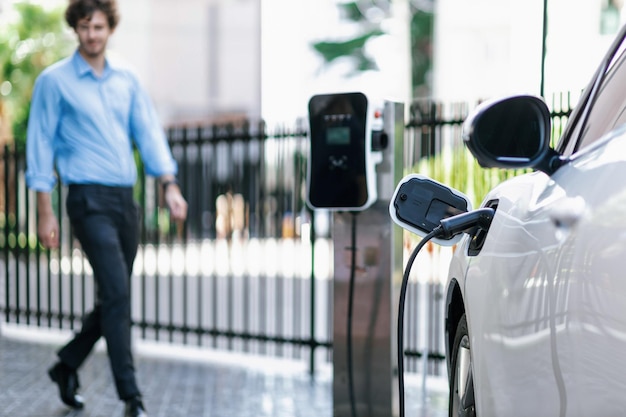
x: 83, y: 68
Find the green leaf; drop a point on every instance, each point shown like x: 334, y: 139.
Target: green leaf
x: 36, y: 39
x: 353, y: 49
x: 351, y: 12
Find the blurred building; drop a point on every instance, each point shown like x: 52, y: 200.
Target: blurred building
x: 486, y: 48
x: 199, y: 59
x: 207, y: 60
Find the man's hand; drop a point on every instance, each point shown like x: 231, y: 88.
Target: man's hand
x: 176, y: 203
x: 48, y: 225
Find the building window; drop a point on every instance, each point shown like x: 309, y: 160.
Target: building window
x: 610, y: 16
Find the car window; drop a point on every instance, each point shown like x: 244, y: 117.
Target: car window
x: 608, y: 109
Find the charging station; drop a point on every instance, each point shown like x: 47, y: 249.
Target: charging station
x: 346, y: 145
x: 355, y: 161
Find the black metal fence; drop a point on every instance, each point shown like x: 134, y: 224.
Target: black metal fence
x: 245, y: 272
x: 251, y: 268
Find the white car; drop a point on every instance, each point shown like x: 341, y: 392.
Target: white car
x: 536, y: 302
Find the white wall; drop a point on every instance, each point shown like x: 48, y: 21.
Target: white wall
x: 486, y: 48
x: 292, y: 71
x: 199, y: 59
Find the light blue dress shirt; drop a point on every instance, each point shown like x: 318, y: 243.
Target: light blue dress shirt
x: 85, y: 126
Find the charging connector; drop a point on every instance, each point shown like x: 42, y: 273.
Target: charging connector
x: 419, y: 203
x: 466, y: 222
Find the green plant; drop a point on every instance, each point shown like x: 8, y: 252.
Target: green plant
x: 35, y: 38
x: 458, y: 169
x: 368, y: 18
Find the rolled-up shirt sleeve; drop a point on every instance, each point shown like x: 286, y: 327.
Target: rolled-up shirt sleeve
x: 43, y: 120
x: 149, y: 136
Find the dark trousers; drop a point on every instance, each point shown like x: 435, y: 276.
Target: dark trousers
x: 105, y: 221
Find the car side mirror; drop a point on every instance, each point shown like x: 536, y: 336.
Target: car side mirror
x: 511, y: 132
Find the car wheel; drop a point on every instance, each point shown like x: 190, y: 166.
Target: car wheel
x: 461, y: 378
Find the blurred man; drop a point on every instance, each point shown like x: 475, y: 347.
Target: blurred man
x: 85, y: 115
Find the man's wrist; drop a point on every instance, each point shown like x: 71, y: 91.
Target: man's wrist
x: 44, y: 204
x: 167, y: 183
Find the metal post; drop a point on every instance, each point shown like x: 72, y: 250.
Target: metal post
x: 365, y: 297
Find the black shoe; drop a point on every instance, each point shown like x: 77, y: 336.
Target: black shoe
x: 135, y: 408
x: 67, y: 380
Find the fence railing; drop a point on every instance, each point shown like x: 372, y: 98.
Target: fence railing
x: 239, y: 274
x: 251, y: 269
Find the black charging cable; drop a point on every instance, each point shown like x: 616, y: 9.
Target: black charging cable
x: 403, y: 288
x: 350, y: 309
x: 467, y: 222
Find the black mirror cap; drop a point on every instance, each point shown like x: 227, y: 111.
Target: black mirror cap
x: 511, y: 132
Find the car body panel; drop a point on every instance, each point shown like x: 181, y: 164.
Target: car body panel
x: 545, y: 298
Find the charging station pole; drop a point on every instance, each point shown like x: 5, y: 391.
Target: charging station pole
x: 364, y: 359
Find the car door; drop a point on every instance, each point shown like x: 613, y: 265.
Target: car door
x: 589, y: 266
x: 588, y: 280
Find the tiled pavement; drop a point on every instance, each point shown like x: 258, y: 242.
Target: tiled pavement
x: 196, y: 384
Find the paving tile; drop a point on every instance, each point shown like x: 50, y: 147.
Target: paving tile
x: 178, y: 387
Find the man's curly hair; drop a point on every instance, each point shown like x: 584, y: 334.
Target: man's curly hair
x: 80, y: 9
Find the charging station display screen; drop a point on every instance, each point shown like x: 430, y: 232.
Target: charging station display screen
x: 338, y: 156
x: 338, y: 135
